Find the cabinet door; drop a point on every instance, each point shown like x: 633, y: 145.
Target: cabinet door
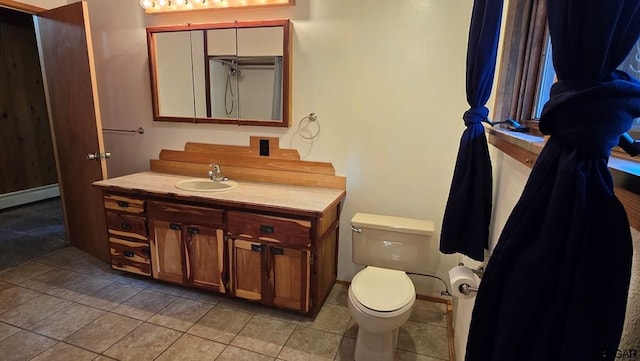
x: 289, y: 277
x: 167, y: 252
x: 205, y: 262
x: 247, y: 269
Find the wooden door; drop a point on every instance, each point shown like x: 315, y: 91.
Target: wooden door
x: 247, y: 268
x: 205, y: 254
x: 64, y: 40
x: 289, y: 272
x: 167, y: 251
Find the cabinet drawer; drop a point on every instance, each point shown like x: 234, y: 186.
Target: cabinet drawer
x: 268, y: 228
x: 130, y: 256
x: 126, y: 225
x: 181, y: 213
x: 124, y: 204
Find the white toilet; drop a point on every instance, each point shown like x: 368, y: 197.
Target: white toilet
x: 381, y: 296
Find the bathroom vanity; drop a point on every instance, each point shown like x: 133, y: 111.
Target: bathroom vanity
x: 271, y: 243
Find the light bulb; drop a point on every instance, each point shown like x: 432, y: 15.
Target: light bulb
x: 182, y: 2
x: 164, y: 3
x: 147, y: 4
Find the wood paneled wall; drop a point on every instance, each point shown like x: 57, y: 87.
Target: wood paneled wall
x: 26, y: 150
x: 262, y: 161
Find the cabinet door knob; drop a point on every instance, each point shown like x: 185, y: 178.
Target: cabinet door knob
x: 126, y: 226
x: 277, y: 250
x: 193, y: 230
x: 175, y: 226
x: 128, y: 254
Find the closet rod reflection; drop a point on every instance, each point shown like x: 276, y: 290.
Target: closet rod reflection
x: 139, y: 130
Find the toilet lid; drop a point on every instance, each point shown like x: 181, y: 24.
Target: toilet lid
x: 382, y: 289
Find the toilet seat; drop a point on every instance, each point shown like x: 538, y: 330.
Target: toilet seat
x: 382, y: 292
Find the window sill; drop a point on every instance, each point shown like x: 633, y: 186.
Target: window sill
x: 525, y: 148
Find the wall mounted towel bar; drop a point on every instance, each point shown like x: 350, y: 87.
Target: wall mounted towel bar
x: 140, y: 130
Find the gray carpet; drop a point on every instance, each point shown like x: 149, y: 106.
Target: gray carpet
x: 30, y: 231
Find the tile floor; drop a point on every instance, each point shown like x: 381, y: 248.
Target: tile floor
x: 69, y: 306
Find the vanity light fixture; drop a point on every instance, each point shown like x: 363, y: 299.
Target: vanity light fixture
x: 162, y: 6
x: 147, y: 4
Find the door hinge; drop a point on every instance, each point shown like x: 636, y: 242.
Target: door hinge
x: 98, y: 156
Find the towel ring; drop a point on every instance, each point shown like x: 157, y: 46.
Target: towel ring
x: 311, y: 118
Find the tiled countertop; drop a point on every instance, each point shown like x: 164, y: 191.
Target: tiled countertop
x: 306, y: 199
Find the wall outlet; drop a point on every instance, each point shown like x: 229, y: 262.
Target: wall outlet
x: 264, y: 147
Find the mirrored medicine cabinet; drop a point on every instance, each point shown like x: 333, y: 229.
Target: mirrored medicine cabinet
x: 225, y: 73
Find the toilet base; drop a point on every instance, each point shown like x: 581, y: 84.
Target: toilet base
x: 376, y: 346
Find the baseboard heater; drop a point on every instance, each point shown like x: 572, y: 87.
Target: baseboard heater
x: 8, y: 200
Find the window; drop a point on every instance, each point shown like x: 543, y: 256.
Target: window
x: 523, y: 59
x: 524, y: 80
x: 526, y: 69
x: 631, y: 65
x: 547, y: 78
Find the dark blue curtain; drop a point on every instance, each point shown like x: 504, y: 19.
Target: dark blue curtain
x: 556, y: 285
x: 465, y: 227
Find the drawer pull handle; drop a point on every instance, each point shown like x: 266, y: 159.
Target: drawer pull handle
x: 128, y: 254
x: 266, y: 229
x: 126, y: 226
x: 256, y: 247
x: 193, y: 230
x: 123, y: 204
x: 277, y: 251
x: 175, y: 226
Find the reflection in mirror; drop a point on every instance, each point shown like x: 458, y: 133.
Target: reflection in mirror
x: 232, y: 73
x: 173, y: 69
x: 256, y: 80
x: 222, y: 93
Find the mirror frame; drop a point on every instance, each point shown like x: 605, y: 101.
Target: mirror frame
x: 286, y: 72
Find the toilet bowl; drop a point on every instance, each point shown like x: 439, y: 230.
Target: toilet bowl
x: 381, y: 296
x: 380, y: 301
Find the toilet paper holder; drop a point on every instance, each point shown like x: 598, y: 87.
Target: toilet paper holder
x: 466, y: 289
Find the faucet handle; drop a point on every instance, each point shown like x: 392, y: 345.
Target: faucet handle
x: 215, y: 173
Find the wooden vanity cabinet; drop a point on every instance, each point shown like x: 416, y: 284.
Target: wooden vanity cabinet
x: 128, y: 236
x: 270, y: 255
x: 187, y: 245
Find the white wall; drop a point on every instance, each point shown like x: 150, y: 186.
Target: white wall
x: 386, y: 79
x: 509, y: 177
x: 174, y: 77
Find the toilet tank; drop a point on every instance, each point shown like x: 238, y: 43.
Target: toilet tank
x: 391, y: 242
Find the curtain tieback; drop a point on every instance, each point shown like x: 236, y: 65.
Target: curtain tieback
x: 475, y: 115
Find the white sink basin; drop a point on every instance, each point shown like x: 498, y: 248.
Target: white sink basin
x: 205, y: 185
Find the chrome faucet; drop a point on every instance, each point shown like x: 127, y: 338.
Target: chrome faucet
x: 216, y: 174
